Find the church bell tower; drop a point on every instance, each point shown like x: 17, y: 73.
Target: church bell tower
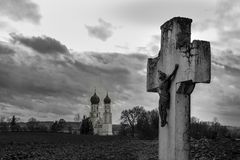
x: 94, y: 113
x: 107, y: 116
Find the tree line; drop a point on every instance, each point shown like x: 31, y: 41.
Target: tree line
x: 33, y: 125
x: 12, y: 124
x: 9, y: 124
x: 212, y: 130
x: 137, y: 122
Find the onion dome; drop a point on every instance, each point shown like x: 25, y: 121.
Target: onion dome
x: 95, y: 99
x: 107, y: 100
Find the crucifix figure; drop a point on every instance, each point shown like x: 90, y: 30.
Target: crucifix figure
x: 164, y: 95
x: 173, y: 74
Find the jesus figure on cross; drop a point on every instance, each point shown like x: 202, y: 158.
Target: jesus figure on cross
x: 164, y: 95
x: 175, y: 83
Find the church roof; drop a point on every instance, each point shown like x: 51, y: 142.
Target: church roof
x: 107, y: 100
x: 95, y: 99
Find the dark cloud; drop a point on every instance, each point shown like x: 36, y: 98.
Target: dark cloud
x: 103, y: 31
x: 44, y: 44
x: 27, y: 103
x: 4, y: 49
x: 19, y: 10
x: 229, y: 61
x: 101, y: 70
x: 220, y: 98
x: 230, y: 101
x: 233, y: 34
x: 118, y: 59
x: 233, y: 71
x: 229, y: 70
x: 229, y: 105
x: 33, y: 83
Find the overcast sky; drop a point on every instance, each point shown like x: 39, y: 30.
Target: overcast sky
x: 53, y: 53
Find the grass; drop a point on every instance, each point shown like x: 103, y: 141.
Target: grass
x: 43, y: 146
x: 60, y: 146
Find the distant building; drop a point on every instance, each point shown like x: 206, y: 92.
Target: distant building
x: 71, y: 127
x: 46, y: 124
x: 68, y: 127
x: 102, y: 124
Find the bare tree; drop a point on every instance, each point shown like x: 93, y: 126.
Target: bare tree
x: 194, y: 120
x: 13, y: 118
x: 58, y: 125
x: 13, y: 123
x: 32, y: 124
x: 131, y: 116
x: 215, y: 120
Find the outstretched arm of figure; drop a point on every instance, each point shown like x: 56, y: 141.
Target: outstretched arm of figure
x: 173, y: 73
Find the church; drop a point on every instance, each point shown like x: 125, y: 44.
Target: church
x: 102, y: 123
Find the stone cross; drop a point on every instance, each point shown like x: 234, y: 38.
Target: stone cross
x: 194, y: 61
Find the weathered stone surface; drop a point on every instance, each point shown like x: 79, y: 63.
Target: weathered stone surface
x: 194, y: 58
x: 194, y: 67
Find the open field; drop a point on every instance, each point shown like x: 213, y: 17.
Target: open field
x: 58, y: 146
x: 48, y: 146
